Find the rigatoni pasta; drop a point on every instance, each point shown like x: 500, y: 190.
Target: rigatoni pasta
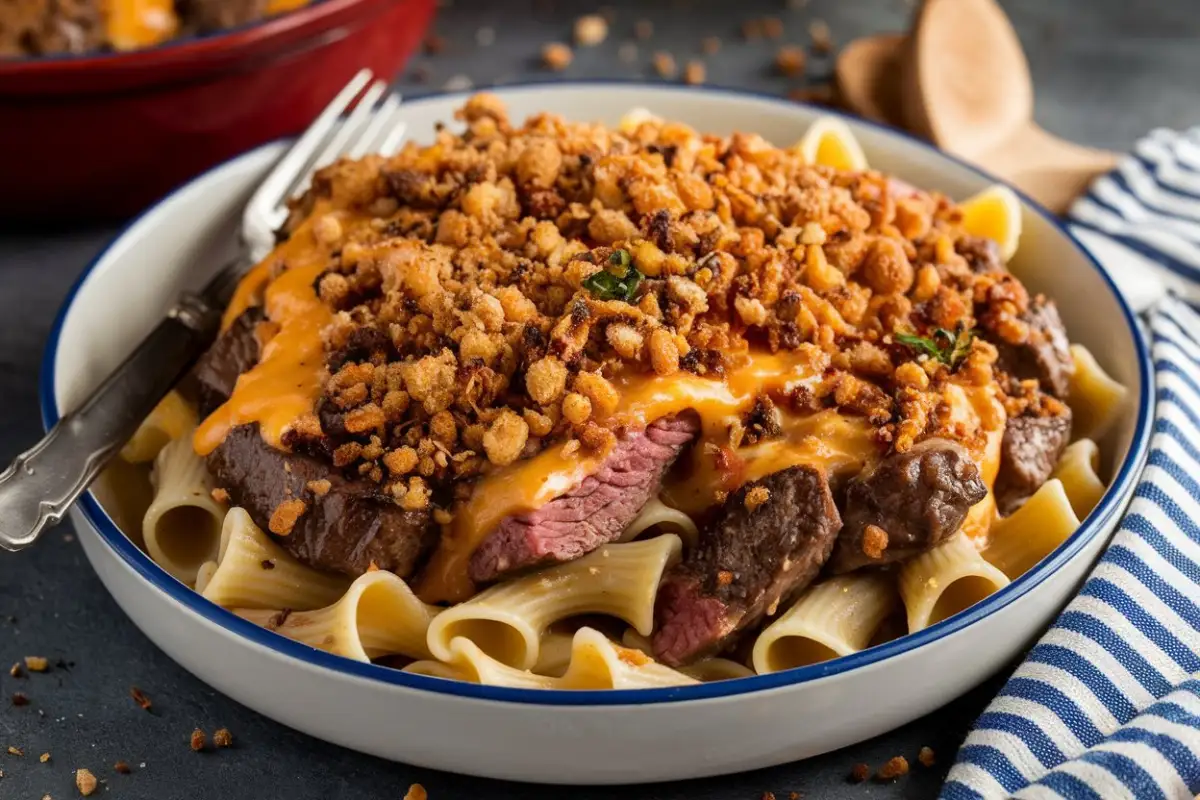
x: 173, y: 418
x: 595, y: 663
x: 1077, y: 470
x: 658, y: 516
x: 834, y: 618
x: 378, y: 615
x: 946, y: 580
x: 1096, y: 399
x: 254, y: 572
x: 1021, y: 540
x: 182, y: 526
x: 508, y: 620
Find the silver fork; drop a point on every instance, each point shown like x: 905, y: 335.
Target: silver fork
x: 41, y: 484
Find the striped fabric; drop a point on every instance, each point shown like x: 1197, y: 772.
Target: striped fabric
x: 1107, y: 705
x: 1142, y: 220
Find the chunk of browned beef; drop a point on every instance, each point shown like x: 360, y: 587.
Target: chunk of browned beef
x: 1046, y: 356
x: 593, y: 513
x: 918, y: 498
x: 345, y: 526
x: 234, y: 352
x: 982, y: 254
x: 753, y: 555
x: 1028, y: 453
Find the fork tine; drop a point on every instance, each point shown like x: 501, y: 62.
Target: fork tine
x: 374, y: 131
x: 346, y: 133
x: 266, y: 204
x: 394, y: 139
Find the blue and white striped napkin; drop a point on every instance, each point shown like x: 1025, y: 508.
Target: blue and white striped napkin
x: 1107, y: 705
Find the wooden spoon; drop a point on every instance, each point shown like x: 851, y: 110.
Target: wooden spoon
x: 962, y: 81
x: 867, y: 73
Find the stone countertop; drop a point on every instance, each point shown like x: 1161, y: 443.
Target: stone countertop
x: 1106, y: 71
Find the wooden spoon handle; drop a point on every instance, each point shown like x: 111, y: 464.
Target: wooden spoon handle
x: 1051, y: 170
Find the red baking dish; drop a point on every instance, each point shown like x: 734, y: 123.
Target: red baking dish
x: 100, y: 136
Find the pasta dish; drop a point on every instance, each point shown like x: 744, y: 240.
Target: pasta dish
x: 560, y: 405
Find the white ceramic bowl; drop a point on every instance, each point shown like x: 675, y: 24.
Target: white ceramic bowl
x: 581, y: 737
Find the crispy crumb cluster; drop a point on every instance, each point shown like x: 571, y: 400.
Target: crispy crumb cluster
x: 489, y: 289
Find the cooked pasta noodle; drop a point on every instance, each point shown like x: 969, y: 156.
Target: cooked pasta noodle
x: 554, y: 654
x: 1095, y: 398
x: 1077, y: 471
x: 125, y: 492
x: 204, y: 575
x: 507, y: 620
x: 659, y: 516
x: 182, y: 526
x: 173, y: 418
x: 705, y: 670
x: 596, y: 663
x: 834, y: 618
x: 709, y: 670
x: 636, y: 641
x: 254, y: 572
x: 1030, y: 533
x: 945, y: 580
x: 379, y: 615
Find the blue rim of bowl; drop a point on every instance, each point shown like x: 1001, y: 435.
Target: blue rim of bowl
x: 1109, y: 505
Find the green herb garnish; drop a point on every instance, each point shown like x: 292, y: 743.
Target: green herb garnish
x: 619, y: 281
x: 948, y: 347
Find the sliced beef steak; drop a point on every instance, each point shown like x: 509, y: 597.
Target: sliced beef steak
x: 918, y: 499
x: 1047, y: 354
x: 1028, y: 453
x: 749, y: 560
x: 592, y: 514
x: 234, y: 352
x: 343, y: 530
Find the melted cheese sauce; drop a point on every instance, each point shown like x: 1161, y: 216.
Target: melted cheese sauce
x: 134, y: 24
x: 286, y: 382
x: 826, y: 438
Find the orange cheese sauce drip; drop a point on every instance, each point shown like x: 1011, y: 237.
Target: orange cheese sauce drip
x: 286, y: 382
x: 978, y: 407
x: 282, y: 6
x: 527, y: 485
x: 133, y: 24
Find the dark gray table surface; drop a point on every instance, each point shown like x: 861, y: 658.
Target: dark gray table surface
x: 1106, y: 71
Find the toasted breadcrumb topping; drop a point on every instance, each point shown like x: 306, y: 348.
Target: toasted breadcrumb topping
x: 874, y: 542
x: 896, y: 767
x: 285, y: 516
x: 488, y: 290
x: 756, y: 497
x: 85, y: 782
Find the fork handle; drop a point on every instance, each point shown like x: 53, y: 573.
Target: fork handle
x: 41, y: 484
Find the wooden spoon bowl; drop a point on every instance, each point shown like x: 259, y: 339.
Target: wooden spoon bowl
x: 960, y: 78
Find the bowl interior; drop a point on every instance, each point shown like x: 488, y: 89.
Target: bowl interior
x: 178, y: 243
